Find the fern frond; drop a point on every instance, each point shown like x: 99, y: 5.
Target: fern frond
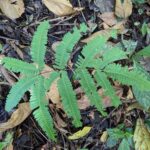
x: 45, y: 121
x: 102, y: 80
x: 89, y: 87
x: 19, y: 66
x: 127, y: 77
x: 41, y: 114
x: 39, y: 41
x: 144, y: 52
x: 17, y: 91
x: 69, y: 99
x: 64, y: 49
x: 112, y: 55
x: 94, y: 47
x: 38, y: 94
x: 48, y: 81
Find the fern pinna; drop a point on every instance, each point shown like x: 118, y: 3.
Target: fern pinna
x: 96, y: 56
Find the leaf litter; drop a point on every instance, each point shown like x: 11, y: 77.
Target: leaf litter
x: 105, y: 16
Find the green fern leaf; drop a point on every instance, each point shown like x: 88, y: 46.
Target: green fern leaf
x: 69, y: 99
x: 17, y: 91
x: 19, y: 66
x: 66, y: 46
x: 41, y: 114
x: 102, y: 80
x: 39, y: 41
x: 38, y: 94
x: 94, y: 47
x: 45, y: 121
x: 127, y: 77
x: 89, y: 87
x: 112, y: 55
x: 144, y: 52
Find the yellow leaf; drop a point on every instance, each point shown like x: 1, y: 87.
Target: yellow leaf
x: 104, y: 137
x: 80, y: 133
x: 17, y: 117
x: 123, y: 10
x: 12, y: 8
x: 61, y: 7
x: 141, y: 136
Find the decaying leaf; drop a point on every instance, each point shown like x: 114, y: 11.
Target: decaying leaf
x: 17, y: 117
x: 141, y: 136
x: 119, y: 27
x: 104, y: 137
x: 80, y: 133
x: 109, y: 18
x: 12, y: 8
x: 123, y: 10
x: 53, y: 93
x: 61, y: 8
x: 47, y: 71
x: 84, y: 102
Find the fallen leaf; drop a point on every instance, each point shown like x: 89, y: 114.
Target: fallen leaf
x: 12, y: 8
x: 109, y: 18
x: 60, y: 121
x: 104, y: 137
x: 141, y: 136
x: 46, y: 71
x: 135, y: 105
x: 129, y: 94
x: 98, y: 33
x: 53, y: 93
x: 61, y: 8
x: 123, y: 10
x: 17, y: 117
x: 80, y: 133
x: 84, y: 102
x: 104, y: 5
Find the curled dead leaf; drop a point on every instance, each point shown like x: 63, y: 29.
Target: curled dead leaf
x: 61, y: 8
x: 17, y: 117
x: 12, y: 8
x: 123, y: 10
x: 141, y: 136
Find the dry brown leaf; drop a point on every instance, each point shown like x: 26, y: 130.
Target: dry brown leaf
x: 53, y: 93
x: 123, y: 10
x: 17, y: 117
x: 83, y: 103
x: 94, y: 35
x: 135, y: 105
x: 109, y: 18
x: 119, y: 27
x: 46, y: 71
x: 141, y: 136
x: 12, y: 8
x: 129, y: 94
x: 61, y: 8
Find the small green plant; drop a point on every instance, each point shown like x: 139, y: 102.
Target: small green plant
x: 7, y: 141
x: 117, y: 135
x: 96, y: 56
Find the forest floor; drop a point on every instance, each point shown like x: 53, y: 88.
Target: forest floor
x: 15, y: 40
